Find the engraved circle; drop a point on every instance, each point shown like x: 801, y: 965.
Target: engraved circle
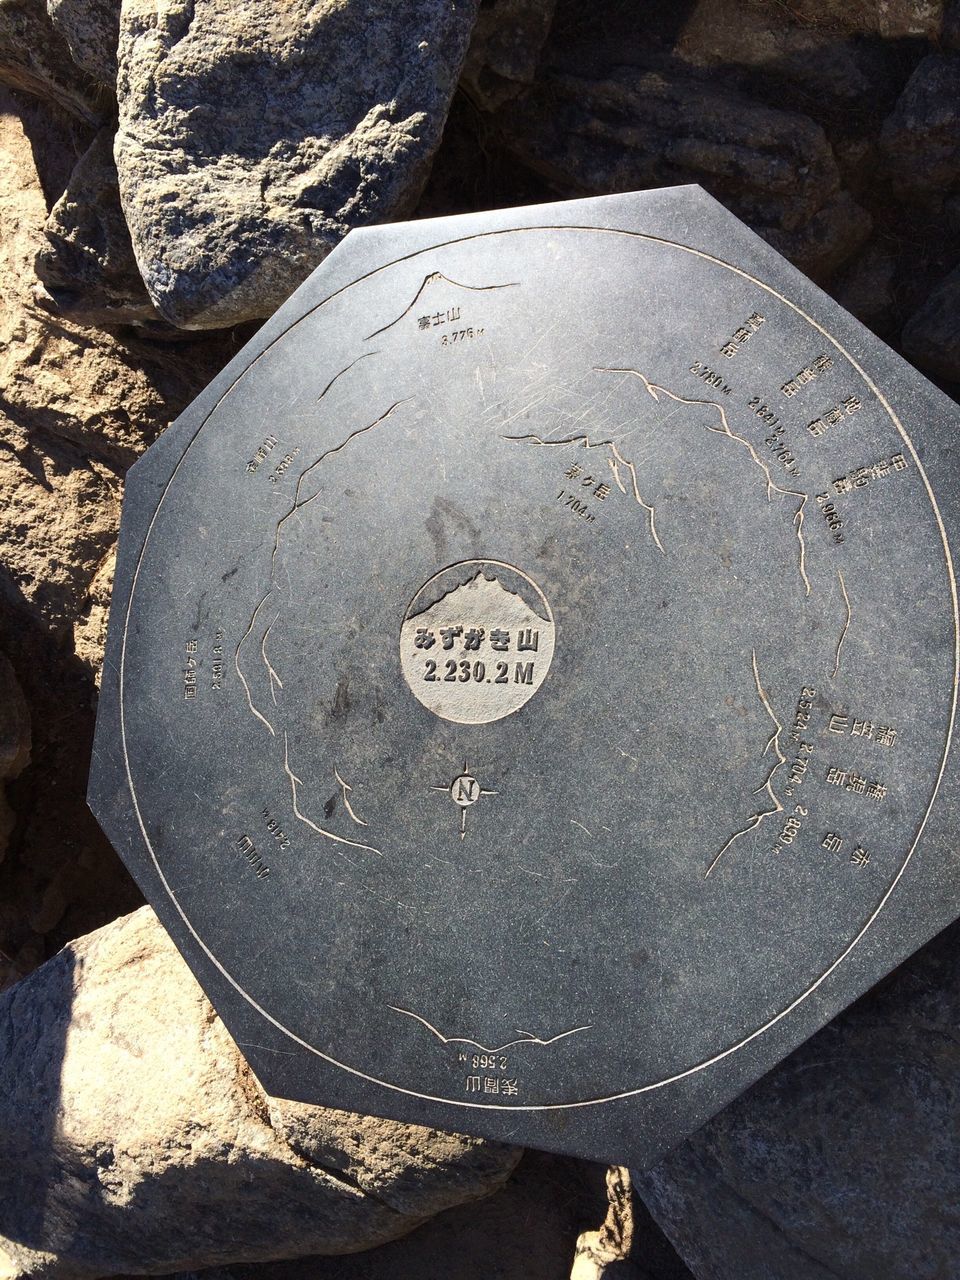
x: 477, y: 641
x: 764, y: 1025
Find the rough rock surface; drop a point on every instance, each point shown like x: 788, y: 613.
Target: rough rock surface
x: 599, y: 1252
x: 34, y: 57
x: 76, y: 407
x: 639, y: 128
x: 931, y: 337
x: 134, y: 1138
x: 14, y: 743
x: 88, y: 265
x: 91, y: 29
x: 526, y: 1231
x: 844, y: 1160
x: 335, y: 110
x: 921, y: 139
x: 892, y: 19
x: 505, y: 48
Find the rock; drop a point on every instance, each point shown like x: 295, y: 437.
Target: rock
x: 598, y: 1252
x: 637, y: 128
x: 14, y: 742
x: 815, y: 69
x: 526, y: 1231
x: 91, y: 28
x: 336, y: 108
x: 825, y: 241
x: 107, y: 396
x: 135, y: 1139
x: 891, y: 19
x: 34, y: 57
x: 76, y: 407
x: 843, y: 1161
x: 920, y: 140
x: 88, y: 265
x: 931, y: 337
x: 505, y: 48
x: 90, y: 624
x: 866, y: 288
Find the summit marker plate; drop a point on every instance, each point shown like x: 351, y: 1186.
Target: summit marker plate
x: 531, y: 685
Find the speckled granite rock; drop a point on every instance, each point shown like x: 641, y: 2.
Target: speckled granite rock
x: 134, y: 1138
x: 335, y: 110
x: 844, y: 1160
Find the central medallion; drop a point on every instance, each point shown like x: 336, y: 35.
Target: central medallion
x: 477, y: 641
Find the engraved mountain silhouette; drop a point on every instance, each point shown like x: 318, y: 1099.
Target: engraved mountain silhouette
x: 482, y: 600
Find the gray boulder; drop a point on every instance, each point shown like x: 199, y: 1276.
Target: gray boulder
x: 931, y: 337
x: 920, y: 140
x: 844, y: 1161
x: 35, y: 58
x: 15, y: 739
x: 91, y: 28
x: 87, y: 264
x: 134, y: 1138
x: 505, y: 49
x: 891, y: 19
x: 253, y: 137
x: 633, y: 128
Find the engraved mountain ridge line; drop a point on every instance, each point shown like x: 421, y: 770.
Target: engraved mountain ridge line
x: 480, y: 598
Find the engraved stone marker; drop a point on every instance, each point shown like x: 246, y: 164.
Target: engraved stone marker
x: 532, y: 673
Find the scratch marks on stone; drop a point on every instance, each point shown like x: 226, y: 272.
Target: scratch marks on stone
x: 236, y: 662
x: 432, y: 278
x: 346, y: 789
x: 773, y: 744
x: 616, y: 460
x: 525, y: 1036
x: 846, y: 624
x: 296, y: 782
x: 275, y: 681
x: 724, y: 429
x: 366, y: 355
x: 298, y: 502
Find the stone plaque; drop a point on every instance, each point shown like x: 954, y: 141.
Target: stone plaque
x: 532, y: 673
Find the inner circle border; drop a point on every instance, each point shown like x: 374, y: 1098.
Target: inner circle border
x: 777, y: 1018
x: 500, y: 564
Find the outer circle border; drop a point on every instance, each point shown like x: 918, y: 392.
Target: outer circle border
x: 757, y: 1032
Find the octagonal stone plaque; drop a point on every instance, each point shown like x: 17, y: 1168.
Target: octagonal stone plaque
x: 532, y: 674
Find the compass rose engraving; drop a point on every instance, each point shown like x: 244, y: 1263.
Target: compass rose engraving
x: 464, y: 791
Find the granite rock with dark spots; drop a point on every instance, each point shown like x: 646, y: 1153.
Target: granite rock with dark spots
x: 134, y: 1138
x: 87, y: 264
x: 253, y: 137
x: 844, y: 1160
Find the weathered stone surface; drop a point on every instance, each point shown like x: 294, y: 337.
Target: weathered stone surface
x: 599, y: 1252
x: 528, y: 1230
x: 88, y: 265
x: 76, y: 407
x: 135, y: 1139
x: 931, y: 337
x: 843, y: 1161
x: 920, y: 141
x: 34, y: 57
x: 336, y: 107
x: 892, y: 19
x: 14, y: 742
x: 830, y: 69
x: 505, y: 48
x: 638, y: 128
x: 91, y: 29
